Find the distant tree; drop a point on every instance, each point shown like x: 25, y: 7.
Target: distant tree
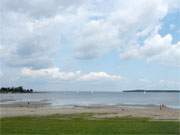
x: 15, y: 90
x: 31, y: 90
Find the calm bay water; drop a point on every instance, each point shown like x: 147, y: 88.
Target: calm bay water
x: 96, y: 98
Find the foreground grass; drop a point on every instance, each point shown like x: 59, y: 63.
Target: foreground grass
x: 85, y: 124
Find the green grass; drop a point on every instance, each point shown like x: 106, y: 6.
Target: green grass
x: 85, y: 124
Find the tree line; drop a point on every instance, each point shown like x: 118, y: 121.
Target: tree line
x: 19, y: 89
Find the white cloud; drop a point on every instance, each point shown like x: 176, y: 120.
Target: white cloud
x: 96, y: 38
x: 92, y: 28
x: 156, y: 48
x: 56, y: 73
x: 50, y: 73
x: 120, y: 27
x: 34, y: 32
x: 38, y: 9
x: 99, y: 76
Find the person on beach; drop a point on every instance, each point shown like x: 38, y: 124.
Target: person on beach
x: 162, y: 106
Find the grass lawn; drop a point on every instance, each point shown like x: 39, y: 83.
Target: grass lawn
x: 85, y: 124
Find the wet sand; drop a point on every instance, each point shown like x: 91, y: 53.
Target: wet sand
x: 43, y: 109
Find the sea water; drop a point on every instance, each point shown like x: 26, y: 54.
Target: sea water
x: 171, y: 99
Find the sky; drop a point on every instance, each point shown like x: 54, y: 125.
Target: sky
x: 85, y: 45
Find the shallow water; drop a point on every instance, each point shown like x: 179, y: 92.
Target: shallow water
x: 96, y: 98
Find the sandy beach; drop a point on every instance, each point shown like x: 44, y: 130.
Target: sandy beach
x: 43, y: 109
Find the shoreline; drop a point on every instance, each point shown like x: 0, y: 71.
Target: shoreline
x: 42, y: 103
x: 99, y: 111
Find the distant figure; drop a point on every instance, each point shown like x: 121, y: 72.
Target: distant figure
x: 28, y: 103
x: 162, y: 106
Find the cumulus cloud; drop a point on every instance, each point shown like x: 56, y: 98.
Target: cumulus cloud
x: 26, y: 39
x: 99, y: 76
x: 91, y: 28
x: 38, y: 9
x: 156, y: 48
x: 36, y: 35
x: 56, y: 73
x: 119, y: 27
x: 33, y: 30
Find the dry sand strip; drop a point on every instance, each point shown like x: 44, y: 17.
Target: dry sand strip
x: 40, y: 109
